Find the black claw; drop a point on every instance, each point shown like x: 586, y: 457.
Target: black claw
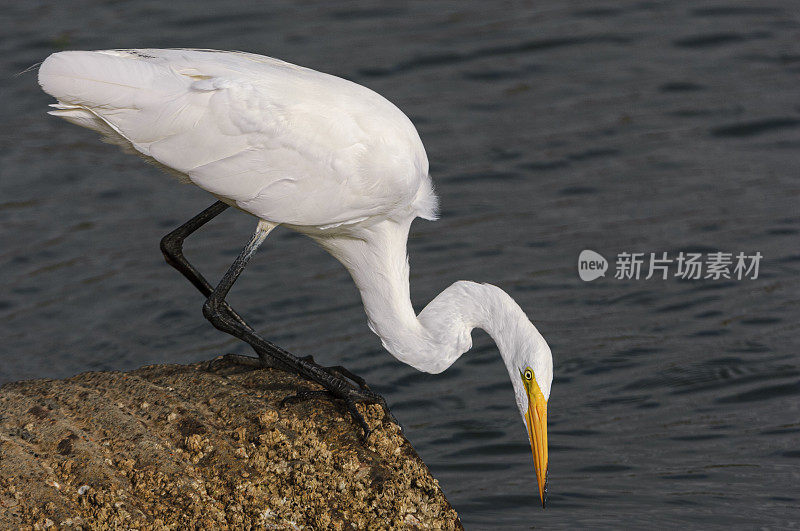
x: 339, y: 371
x: 361, y: 382
x: 350, y: 397
x: 358, y: 417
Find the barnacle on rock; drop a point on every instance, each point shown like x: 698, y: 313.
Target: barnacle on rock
x: 209, y: 450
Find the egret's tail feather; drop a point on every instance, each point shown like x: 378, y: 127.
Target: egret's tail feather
x: 129, y: 97
x: 86, y: 118
x: 99, y: 79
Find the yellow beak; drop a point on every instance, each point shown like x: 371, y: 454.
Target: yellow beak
x: 536, y: 419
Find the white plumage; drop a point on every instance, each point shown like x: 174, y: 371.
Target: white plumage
x: 319, y: 154
x: 283, y: 142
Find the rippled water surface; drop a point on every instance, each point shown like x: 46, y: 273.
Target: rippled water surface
x: 551, y: 127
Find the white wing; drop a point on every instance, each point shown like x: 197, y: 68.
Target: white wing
x: 288, y: 144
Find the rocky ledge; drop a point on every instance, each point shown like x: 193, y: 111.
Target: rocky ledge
x: 176, y: 447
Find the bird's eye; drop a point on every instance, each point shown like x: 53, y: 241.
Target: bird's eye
x: 528, y: 374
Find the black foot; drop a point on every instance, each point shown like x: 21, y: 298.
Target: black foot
x: 350, y: 396
x: 345, y: 391
x: 337, y: 371
x: 338, y: 375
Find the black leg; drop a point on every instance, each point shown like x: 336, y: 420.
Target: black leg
x: 172, y: 248
x: 215, y: 311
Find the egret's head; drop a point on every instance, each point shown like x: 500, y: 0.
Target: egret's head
x: 532, y: 381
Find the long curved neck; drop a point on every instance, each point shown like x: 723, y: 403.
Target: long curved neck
x: 375, y: 256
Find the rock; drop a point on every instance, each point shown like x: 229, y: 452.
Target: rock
x: 175, y: 447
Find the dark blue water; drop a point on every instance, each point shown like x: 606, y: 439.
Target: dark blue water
x: 551, y: 128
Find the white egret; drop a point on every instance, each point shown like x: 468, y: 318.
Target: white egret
x: 322, y: 156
